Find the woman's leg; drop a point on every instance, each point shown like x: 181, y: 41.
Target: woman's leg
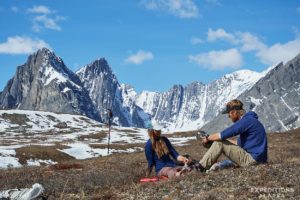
x: 170, y: 172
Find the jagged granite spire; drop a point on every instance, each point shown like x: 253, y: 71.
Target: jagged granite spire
x: 106, y: 93
x: 45, y: 83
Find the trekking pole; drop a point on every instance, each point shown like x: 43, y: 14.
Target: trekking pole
x: 110, y: 115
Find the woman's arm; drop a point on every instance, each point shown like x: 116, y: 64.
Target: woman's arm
x: 182, y: 159
x: 150, y: 157
x: 172, y: 150
x: 174, y: 153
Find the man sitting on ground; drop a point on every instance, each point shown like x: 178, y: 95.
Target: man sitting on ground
x: 251, y: 147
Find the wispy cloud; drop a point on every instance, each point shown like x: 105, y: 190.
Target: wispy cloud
x: 298, y: 9
x: 45, y: 18
x: 220, y: 34
x: 39, y: 10
x: 22, y: 45
x: 43, y: 21
x: 279, y: 52
x: 296, y: 31
x: 215, y: 2
x: 179, y: 8
x: 195, y: 41
x: 248, y: 42
x: 15, y: 9
x: 219, y: 60
x: 139, y: 57
x: 273, y: 54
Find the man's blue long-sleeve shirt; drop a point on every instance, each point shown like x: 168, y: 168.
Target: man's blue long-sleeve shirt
x: 252, y: 136
x: 165, y: 160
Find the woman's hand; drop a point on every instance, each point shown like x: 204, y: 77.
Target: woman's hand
x: 186, y: 160
x: 183, y: 159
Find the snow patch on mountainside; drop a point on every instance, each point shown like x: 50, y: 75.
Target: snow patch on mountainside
x: 128, y: 95
x: 22, y: 128
x: 40, y: 122
x: 204, y: 101
x: 51, y: 74
x: 148, y: 101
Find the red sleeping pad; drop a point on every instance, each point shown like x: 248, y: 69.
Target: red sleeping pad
x: 153, y: 179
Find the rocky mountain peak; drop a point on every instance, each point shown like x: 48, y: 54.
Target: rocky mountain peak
x: 97, y: 67
x: 274, y: 97
x: 44, y: 83
x: 48, y: 57
x: 47, y: 67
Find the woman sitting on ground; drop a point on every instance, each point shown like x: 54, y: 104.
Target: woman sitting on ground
x: 158, y: 150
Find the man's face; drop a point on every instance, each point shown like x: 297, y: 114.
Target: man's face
x: 233, y: 115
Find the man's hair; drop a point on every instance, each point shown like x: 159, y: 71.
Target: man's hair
x: 237, y: 105
x: 158, y: 143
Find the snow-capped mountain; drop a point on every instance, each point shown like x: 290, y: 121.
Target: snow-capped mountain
x: 192, y: 106
x: 45, y: 83
x: 106, y: 93
x: 275, y: 98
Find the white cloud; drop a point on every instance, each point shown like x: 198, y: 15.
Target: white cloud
x: 273, y: 54
x: 220, y: 34
x: 279, y: 52
x: 43, y: 21
x: 15, y: 9
x: 140, y: 57
x: 248, y: 42
x: 39, y: 10
x: 179, y: 8
x: 219, y: 60
x: 298, y: 9
x: 195, y: 41
x: 45, y: 18
x: 22, y: 45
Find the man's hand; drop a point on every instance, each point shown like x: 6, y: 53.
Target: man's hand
x: 209, y: 139
x: 205, y: 140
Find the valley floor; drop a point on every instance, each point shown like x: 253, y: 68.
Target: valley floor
x: 116, y: 176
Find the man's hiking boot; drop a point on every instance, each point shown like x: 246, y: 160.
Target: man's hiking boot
x: 195, y: 165
x: 198, y: 167
x: 185, y: 168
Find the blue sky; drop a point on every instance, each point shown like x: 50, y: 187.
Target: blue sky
x: 152, y: 44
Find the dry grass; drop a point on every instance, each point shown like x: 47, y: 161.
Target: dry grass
x: 128, y: 130
x: 42, y: 153
x: 184, y: 134
x: 96, y: 136
x: 116, y: 176
x: 19, y: 119
x: 118, y: 146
